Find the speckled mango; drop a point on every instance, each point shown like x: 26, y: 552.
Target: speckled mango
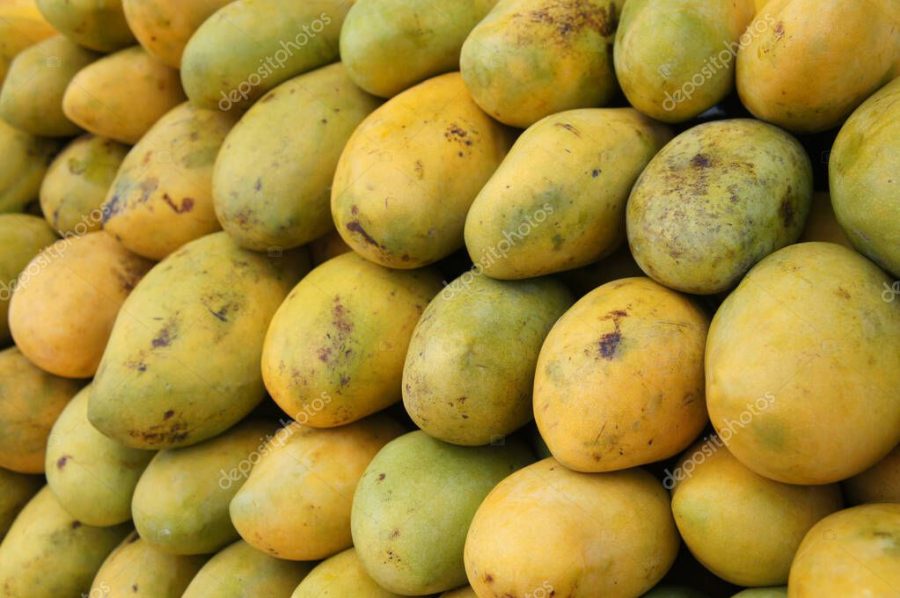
x: 558, y: 200
x: 209, y: 298
x: 21, y: 25
x: 25, y: 160
x: 16, y: 489
x: 714, y: 201
x: 879, y: 483
x: 339, y: 576
x: 272, y: 180
x: 334, y: 351
x: 161, y: 197
x: 96, y: 24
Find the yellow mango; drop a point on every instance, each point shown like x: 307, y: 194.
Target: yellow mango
x: 16, y: 489
x: 96, y: 24
x: 822, y: 224
x: 25, y: 160
x: 67, y: 300
x: 879, y: 483
x: 21, y: 25
x: 338, y: 577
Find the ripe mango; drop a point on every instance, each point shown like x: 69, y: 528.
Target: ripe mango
x: 209, y: 298
x: 16, y: 489
x: 21, y: 25
x: 879, y: 483
x: 25, y: 160
x: 340, y: 576
x: 413, y: 546
x: 96, y: 24
x: 272, y: 180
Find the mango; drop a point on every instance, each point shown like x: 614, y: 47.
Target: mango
x: 21, y: 238
x: 557, y: 201
x: 850, y: 553
x: 137, y: 569
x: 161, y: 197
x: 101, y: 97
x: 608, y: 534
x: 587, y: 406
x: 528, y: 59
x: 272, y: 180
x: 326, y: 247
x: 67, y: 300
x: 334, y: 350
x: 822, y: 224
x: 413, y: 546
x: 180, y: 504
x: 676, y: 86
x: 209, y: 298
x: 96, y: 24
x: 772, y: 592
x: 339, y: 576
x: 16, y: 489
x: 248, y: 47
x: 790, y: 353
x: 862, y: 165
x: 30, y: 401
x: 461, y: 383
x: 77, y: 181
x: 48, y: 553
x: 31, y: 98
x: 879, y: 483
x: 714, y: 201
x: 296, y: 502
x: 465, y: 592
x: 25, y: 160
x: 807, y: 75
x: 241, y: 571
x: 21, y: 25
x: 410, y: 172
x: 390, y: 45
x: 741, y: 526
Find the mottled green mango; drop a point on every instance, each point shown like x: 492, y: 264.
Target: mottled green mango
x: 16, y: 489
x: 96, y: 24
x: 340, y: 576
x: 25, y: 160
x: 21, y: 238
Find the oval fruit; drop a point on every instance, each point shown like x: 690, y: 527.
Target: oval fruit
x: 96, y: 24
x: 21, y: 238
x: 339, y: 576
x: 25, y: 160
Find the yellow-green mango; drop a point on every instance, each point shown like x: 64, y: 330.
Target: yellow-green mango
x: 822, y: 224
x: 211, y: 299
x: 96, y: 24
x: 461, y: 382
x: 135, y: 568
x: 879, y: 483
x: 862, y: 169
x: 410, y: 172
x: 334, y: 351
x: 741, y: 526
x: 548, y: 529
x: 619, y: 380
x: 92, y: 476
x: 31, y: 98
x: 807, y: 74
x: 77, y: 181
x: 180, y: 504
x: 50, y: 554
x: 249, y: 46
x: 674, y: 86
x: 390, y: 45
x: 68, y: 298
x: 101, y: 97
x: 16, y: 489
x: 716, y: 200
x: 771, y: 592
x: 326, y: 247
x: 272, y: 180
x: 241, y: 571
x: 801, y: 379
x: 558, y: 200
x: 528, y: 59
x: 413, y: 546
x: 25, y: 160
x: 162, y: 196
x: 163, y: 27
x: 30, y: 401
x: 21, y: 25
x: 339, y: 577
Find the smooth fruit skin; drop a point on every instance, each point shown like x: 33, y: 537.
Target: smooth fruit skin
x: 879, y: 483
x: 22, y: 237
x: 21, y: 25
x: 25, y: 160
x: 16, y: 489
x: 339, y: 576
x: 799, y: 383
x: 96, y: 24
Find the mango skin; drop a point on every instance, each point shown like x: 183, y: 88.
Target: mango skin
x: 21, y: 238
x: 249, y: 46
x: 466, y: 592
x: 808, y: 326
x: 714, y: 201
x: 390, y: 45
x: 608, y: 534
x: 161, y: 197
x: 335, y: 348
x: 272, y: 179
x: 659, y: 82
x: 137, y: 569
x: 395, y: 532
x: 296, y: 502
x: 16, y: 489
x: 25, y: 160
x: 558, y: 200
x: 807, y: 75
x: 822, y: 224
x: 101, y: 97
x: 773, y: 592
x: 77, y: 181
x: 240, y: 571
x: 852, y: 552
x: 209, y: 298
x: 96, y: 24
x: 741, y: 526
x: 531, y: 58
x: 339, y: 576
x: 862, y: 167
x: 48, y: 553
x: 879, y: 483
x: 21, y: 25
x: 410, y: 172
x: 30, y: 401
x: 461, y: 382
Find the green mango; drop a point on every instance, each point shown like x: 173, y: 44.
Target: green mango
x: 340, y: 576
x: 21, y: 238
x: 240, y: 571
x: 96, y: 24
x: 25, y: 160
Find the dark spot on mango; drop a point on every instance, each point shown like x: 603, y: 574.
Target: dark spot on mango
x: 168, y: 414
x: 395, y: 533
x: 110, y: 208
x: 324, y: 354
x: 380, y: 476
x: 187, y: 204
x: 134, y: 587
x: 569, y: 128
x: 786, y: 212
x: 61, y: 462
x: 779, y: 30
x: 488, y: 578
x: 420, y: 173
x: 164, y: 337
x: 133, y: 537
x: 608, y: 343
x: 842, y: 293
x: 355, y: 227
x: 258, y: 184
x: 76, y: 524
x: 700, y: 161
x: 595, y: 173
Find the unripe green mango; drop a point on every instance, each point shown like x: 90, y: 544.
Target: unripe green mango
x: 340, y: 576
x: 25, y: 160
x: 21, y: 238
x: 16, y: 489
x: 96, y: 24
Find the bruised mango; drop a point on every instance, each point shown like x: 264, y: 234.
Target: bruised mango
x: 879, y: 483
x: 21, y: 238
x: 96, y: 24
x: 339, y: 576
x: 21, y: 25
x: 16, y: 489
x: 25, y: 160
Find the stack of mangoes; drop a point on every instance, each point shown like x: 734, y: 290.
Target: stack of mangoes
x: 493, y: 298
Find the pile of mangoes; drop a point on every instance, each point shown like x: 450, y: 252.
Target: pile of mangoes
x: 493, y: 298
